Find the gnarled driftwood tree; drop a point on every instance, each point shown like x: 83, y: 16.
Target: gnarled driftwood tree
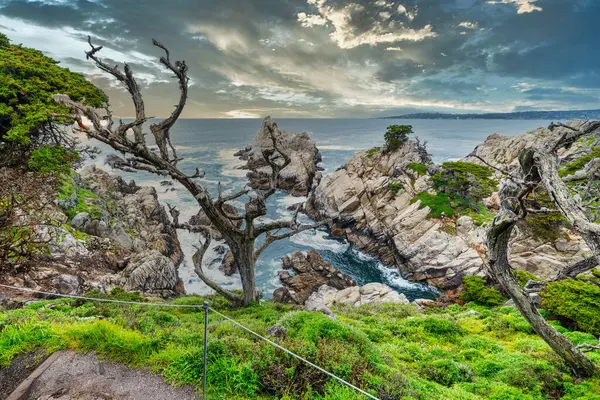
x: 539, y: 166
x: 240, y: 232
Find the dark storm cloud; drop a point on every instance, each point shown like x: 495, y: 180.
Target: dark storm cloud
x: 330, y: 57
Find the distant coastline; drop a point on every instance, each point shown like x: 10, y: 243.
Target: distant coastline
x: 523, y: 115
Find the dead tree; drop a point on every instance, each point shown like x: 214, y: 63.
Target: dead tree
x: 240, y: 232
x: 539, y: 166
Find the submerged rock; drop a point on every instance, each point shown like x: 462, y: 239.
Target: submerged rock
x: 311, y: 272
x: 297, y: 178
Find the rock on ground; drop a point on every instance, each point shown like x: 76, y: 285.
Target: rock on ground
x: 311, y: 272
x: 372, y: 293
x: 297, y: 178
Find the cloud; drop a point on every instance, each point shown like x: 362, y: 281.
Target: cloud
x: 409, y: 14
x: 523, y: 6
x: 309, y: 21
x: 375, y: 26
x: 224, y: 38
x: 327, y: 58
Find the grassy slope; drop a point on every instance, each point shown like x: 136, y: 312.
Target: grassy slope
x: 393, y: 351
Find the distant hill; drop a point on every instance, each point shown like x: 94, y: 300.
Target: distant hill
x: 545, y: 115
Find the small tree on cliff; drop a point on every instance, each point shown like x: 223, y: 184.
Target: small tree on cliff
x: 240, y: 232
x: 539, y: 167
x: 396, y: 135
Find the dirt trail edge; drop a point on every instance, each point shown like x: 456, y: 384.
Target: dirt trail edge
x: 68, y: 375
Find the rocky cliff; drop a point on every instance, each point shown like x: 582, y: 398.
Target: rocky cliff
x: 376, y: 195
x: 297, y: 177
x: 104, y: 233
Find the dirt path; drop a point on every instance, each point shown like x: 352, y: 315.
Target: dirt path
x: 73, y: 376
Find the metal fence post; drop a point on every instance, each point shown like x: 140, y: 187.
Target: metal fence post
x: 205, y: 306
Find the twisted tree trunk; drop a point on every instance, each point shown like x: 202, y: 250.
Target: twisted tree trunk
x: 540, y: 166
x: 499, y: 267
x: 241, y: 240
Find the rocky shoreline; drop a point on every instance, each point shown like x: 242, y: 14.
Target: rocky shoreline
x: 110, y: 233
x: 106, y: 233
x: 307, y: 280
x: 375, y: 196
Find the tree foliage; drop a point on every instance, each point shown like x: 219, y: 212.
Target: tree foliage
x: 23, y: 199
x: 47, y: 159
x: 28, y: 79
x: 396, y: 135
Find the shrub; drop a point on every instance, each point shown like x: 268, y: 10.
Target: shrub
x: 545, y: 226
x: 575, y: 300
x: 49, y: 159
x: 447, y: 372
x: 460, y: 188
x: 75, y: 199
x: 395, y: 187
x: 420, y: 169
x: 439, y: 204
x: 396, y: 135
x: 4, y: 42
x: 28, y: 80
x: 524, y: 276
x: 371, y: 152
x: 475, y: 290
x: 579, y: 164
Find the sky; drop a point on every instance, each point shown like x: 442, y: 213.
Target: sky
x: 328, y: 58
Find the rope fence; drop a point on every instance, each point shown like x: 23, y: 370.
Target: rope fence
x: 206, y: 309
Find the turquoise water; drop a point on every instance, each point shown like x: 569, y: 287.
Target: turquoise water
x: 210, y: 144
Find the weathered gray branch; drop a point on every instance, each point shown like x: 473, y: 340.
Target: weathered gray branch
x: 498, y: 266
x: 240, y: 240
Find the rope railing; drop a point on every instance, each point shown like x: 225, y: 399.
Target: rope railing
x: 206, y: 308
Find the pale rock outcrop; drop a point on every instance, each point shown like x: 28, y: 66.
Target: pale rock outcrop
x: 152, y: 272
x: 372, y: 293
x: 297, y: 178
x: 503, y: 151
x: 134, y: 218
x: 394, y: 227
x: 127, y: 241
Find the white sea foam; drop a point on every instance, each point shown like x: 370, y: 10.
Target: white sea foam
x: 319, y: 240
x: 338, y: 147
x: 232, y: 164
x: 194, y: 148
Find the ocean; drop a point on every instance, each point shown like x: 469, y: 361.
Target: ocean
x: 210, y: 144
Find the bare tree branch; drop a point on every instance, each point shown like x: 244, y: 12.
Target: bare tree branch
x: 588, y: 347
x: 197, y: 259
x: 138, y: 157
